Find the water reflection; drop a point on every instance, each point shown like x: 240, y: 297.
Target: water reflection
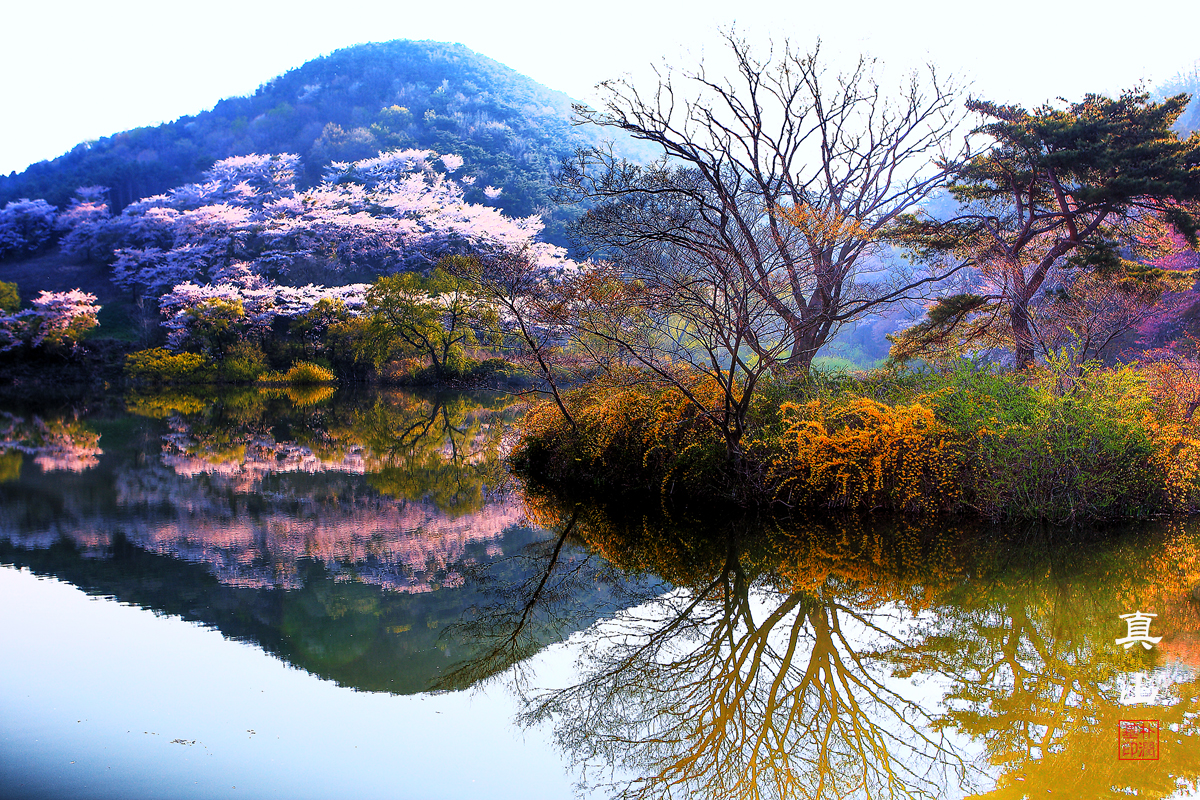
x: 832, y: 659
x: 1034, y: 671
x: 250, y: 482
x: 55, y: 444
x: 374, y: 540
x: 334, y: 531
x: 438, y: 448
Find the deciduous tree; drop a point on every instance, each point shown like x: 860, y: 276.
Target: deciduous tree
x: 781, y: 181
x: 436, y: 317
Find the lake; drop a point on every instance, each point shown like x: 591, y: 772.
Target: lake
x: 322, y: 593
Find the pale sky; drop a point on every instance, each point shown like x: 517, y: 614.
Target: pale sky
x: 77, y: 70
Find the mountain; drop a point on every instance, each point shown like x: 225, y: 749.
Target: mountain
x: 511, y: 131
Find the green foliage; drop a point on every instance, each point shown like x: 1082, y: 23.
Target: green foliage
x: 1105, y: 151
x: 215, y: 326
x: 833, y: 364
x: 10, y: 465
x: 953, y: 326
x: 1032, y: 451
x: 351, y: 345
x: 10, y: 299
x: 159, y: 365
x: 435, y: 317
x: 244, y: 363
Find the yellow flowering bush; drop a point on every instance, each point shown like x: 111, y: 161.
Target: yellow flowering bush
x: 862, y: 453
x: 626, y: 438
x: 1066, y: 444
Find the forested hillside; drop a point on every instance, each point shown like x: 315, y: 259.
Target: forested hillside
x: 1186, y: 82
x: 511, y: 131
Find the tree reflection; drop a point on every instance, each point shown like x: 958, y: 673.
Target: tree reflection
x: 1035, y: 674
x: 442, y: 449
x: 59, y: 443
x: 744, y: 681
x: 563, y: 586
x: 835, y: 658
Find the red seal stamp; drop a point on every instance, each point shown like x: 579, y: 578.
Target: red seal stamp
x: 1137, y: 740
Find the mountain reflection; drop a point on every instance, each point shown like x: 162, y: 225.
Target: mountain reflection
x: 832, y: 659
x: 337, y: 532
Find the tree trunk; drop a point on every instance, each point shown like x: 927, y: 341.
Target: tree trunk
x: 1022, y: 335
x: 803, y: 353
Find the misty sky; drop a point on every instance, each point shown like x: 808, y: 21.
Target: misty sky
x: 81, y: 70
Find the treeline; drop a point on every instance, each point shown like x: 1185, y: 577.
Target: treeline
x: 371, y: 275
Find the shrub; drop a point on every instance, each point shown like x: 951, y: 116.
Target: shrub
x: 863, y: 453
x: 10, y: 298
x: 159, y: 365
x: 1034, y: 450
x: 627, y: 438
x: 244, y: 363
x: 1063, y: 443
x: 307, y: 374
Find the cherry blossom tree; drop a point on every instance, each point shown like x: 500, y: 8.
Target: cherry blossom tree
x: 398, y: 211
x: 218, y: 252
x: 190, y: 308
x: 25, y: 225
x: 57, y: 320
x: 87, y: 212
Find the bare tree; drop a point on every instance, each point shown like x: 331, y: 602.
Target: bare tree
x: 783, y: 182
x: 689, y: 326
x: 530, y: 316
x: 1093, y: 313
x: 699, y: 699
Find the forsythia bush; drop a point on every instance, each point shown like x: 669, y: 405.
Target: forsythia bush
x: 302, y: 374
x: 626, y: 438
x: 305, y: 373
x: 159, y: 365
x: 1177, y: 457
x: 1174, y: 428
x: 863, y: 453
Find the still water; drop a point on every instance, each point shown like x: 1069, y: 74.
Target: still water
x: 315, y: 594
